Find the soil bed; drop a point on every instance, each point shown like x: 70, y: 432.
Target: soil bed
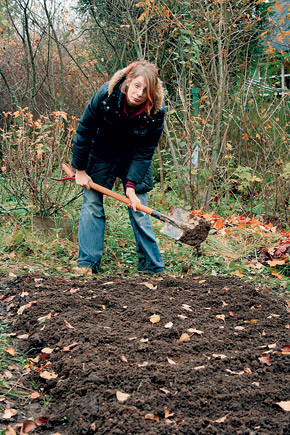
x: 215, y: 362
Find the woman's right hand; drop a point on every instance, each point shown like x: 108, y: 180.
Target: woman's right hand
x: 82, y: 179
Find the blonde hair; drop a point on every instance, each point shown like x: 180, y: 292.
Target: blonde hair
x: 150, y: 74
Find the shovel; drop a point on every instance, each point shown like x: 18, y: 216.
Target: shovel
x: 181, y: 225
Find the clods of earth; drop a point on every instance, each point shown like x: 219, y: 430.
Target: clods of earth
x: 188, y: 355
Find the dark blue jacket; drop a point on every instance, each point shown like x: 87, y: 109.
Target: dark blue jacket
x: 109, y: 144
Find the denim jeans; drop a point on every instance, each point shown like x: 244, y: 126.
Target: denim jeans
x: 92, y: 229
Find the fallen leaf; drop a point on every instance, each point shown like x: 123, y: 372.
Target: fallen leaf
x: 182, y: 317
x: 232, y: 372
x: 48, y: 375
x: 257, y: 384
x: 9, y: 430
x: 201, y: 281
x: 221, y: 316
x: 167, y: 413
x: 151, y: 417
x: 265, y: 358
x: 68, y: 325
x: 286, y: 348
x: 144, y: 340
x: 23, y: 336
x: 238, y: 273
x: 149, y: 285
x: 168, y: 325
x: 183, y: 337
x: 123, y: 358
x: 248, y: 370
x: 24, y: 307
x: 47, y: 350
x: 198, y: 368
x: 10, y: 350
x: 274, y: 262
x: 171, y: 361
x: 224, y: 304
x: 70, y: 346
x: 122, y: 397
x: 155, y: 318
x: 164, y: 390
x: 35, y: 395
x: 277, y: 274
x: 9, y: 413
x: 186, y: 307
x: 219, y: 355
x: 195, y: 331
x: 287, y: 326
x: 284, y: 405
x: 144, y: 364
x: 222, y: 419
x: 239, y: 328
x: 28, y: 426
x: 254, y: 320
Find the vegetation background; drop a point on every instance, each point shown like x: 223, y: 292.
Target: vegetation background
x: 225, y: 148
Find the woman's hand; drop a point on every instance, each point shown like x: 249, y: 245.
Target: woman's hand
x: 82, y: 179
x: 134, y: 200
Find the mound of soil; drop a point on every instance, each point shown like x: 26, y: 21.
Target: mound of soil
x: 188, y: 355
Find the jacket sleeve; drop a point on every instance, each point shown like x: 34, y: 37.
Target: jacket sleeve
x: 144, y: 151
x: 86, y: 129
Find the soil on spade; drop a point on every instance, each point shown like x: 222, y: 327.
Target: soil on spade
x: 215, y: 361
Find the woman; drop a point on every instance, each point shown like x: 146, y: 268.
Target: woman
x: 116, y: 137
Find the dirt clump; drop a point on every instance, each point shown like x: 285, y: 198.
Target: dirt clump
x: 188, y: 355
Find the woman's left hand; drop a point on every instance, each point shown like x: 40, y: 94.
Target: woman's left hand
x: 134, y: 200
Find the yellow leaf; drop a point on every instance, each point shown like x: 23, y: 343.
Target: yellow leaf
x: 122, y: 397
x: 278, y: 275
x: 155, y: 318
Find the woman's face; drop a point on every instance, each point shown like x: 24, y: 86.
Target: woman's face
x: 137, y: 92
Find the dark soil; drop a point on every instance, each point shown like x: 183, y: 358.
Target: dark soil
x: 103, y: 342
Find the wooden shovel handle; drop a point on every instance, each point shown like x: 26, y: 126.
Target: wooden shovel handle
x: 68, y: 170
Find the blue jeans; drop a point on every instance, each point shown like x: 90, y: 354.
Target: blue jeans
x: 92, y: 229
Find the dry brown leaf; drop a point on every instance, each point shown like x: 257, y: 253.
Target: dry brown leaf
x: 171, y: 361
x: 183, y: 337
x: 221, y: 317
x: 122, y: 397
x: 151, y: 417
x: 219, y: 355
x: 34, y: 395
x: 195, y: 331
x: 168, y: 325
x: 167, y: 413
x: 149, y: 285
x: 9, y: 430
x: 239, y: 328
x: 48, y: 375
x: 47, y: 350
x: 69, y: 325
x: 186, y: 307
x: 164, y: 390
x: 285, y: 349
x: 9, y: 413
x: 222, y: 419
x: 238, y: 273
x: 277, y: 274
x: 123, y: 358
x: 265, y: 358
x: 287, y: 326
x: 274, y: 263
x: 284, y: 405
x: 248, y: 370
x: 23, y: 336
x: 28, y: 426
x: 69, y: 347
x: 10, y: 350
x: 155, y: 318
x: 24, y: 307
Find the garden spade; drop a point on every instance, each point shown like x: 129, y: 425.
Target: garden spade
x: 181, y: 225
